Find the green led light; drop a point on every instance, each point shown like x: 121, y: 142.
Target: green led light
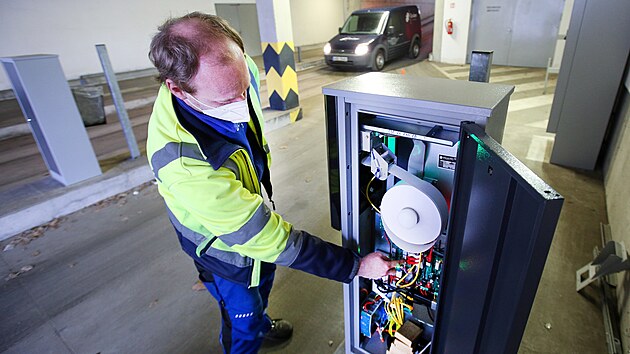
x: 482, y: 153
x: 464, y: 265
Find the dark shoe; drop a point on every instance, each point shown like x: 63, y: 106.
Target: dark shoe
x: 280, y: 331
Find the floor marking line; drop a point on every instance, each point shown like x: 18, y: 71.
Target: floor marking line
x: 442, y: 71
x: 516, y: 77
x: 493, y: 71
x: 529, y: 102
x: 540, y: 148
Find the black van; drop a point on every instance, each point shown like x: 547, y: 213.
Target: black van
x: 371, y: 37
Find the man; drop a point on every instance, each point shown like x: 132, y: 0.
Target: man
x: 206, y: 148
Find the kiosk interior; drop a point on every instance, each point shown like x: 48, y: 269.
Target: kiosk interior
x: 417, y: 172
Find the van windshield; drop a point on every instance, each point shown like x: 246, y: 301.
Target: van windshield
x: 365, y: 23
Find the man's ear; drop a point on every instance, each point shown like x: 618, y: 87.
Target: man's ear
x: 175, y: 90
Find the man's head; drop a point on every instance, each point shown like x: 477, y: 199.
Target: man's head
x: 201, y: 55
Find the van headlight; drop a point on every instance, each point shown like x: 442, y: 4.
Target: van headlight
x: 361, y: 49
x: 327, y: 48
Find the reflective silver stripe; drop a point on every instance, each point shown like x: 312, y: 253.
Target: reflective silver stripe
x: 251, y: 228
x: 232, y: 258
x: 292, y: 249
x: 189, y: 234
x: 266, y: 148
x: 231, y: 165
x: 171, y: 152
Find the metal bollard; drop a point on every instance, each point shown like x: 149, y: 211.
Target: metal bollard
x: 480, y: 63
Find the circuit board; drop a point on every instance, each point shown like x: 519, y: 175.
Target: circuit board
x: 419, y: 274
x: 391, y: 299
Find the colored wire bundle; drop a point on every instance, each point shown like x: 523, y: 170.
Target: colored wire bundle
x: 411, y: 270
x: 367, y: 195
x: 396, y: 313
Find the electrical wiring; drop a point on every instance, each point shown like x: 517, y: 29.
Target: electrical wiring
x: 409, y: 293
x: 398, y: 283
x: 387, y: 288
x: 388, y: 242
x: 416, y: 282
x: 415, y: 265
x: 396, y: 312
x: 393, y: 318
x: 365, y: 305
x: 380, y: 332
x: 367, y: 195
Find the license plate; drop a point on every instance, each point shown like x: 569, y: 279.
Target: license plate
x: 340, y: 58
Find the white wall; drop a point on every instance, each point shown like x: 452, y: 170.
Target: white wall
x: 72, y: 28
x: 316, y: 21
x: 454, y: 47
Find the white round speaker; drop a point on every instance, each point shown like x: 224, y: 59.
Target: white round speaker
x: 414, y: 216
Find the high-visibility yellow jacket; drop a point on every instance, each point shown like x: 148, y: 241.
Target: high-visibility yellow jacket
x: 214, y: 201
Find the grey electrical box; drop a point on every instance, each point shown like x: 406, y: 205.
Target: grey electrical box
x: 416, y: 171
x: 45, y: 98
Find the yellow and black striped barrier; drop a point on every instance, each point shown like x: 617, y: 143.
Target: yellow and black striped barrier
x: 282, y: 83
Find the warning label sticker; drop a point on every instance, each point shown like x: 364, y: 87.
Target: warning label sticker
x: 447, y: 162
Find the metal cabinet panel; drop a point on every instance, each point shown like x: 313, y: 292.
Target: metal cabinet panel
x: 502, y: 224
x: 597, y: 51
x: 502, y: 216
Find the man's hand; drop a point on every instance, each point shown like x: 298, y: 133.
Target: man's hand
x: 375, y: 265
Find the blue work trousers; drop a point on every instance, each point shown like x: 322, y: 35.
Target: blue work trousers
x: 243, y: 313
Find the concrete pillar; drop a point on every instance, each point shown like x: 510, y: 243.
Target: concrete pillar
x: 438, y: 29
x: 454, y: 47
x: 276, y: 37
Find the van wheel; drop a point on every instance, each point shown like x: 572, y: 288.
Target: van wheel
x: 414, y: 50
x: 379, y: 60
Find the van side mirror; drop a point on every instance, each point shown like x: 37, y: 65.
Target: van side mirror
x: 390, y: 30
x: 339, y: 29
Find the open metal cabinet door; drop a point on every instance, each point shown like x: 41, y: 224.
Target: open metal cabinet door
x: 501, y: 227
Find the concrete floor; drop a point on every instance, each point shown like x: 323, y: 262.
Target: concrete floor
x: 111, y: 278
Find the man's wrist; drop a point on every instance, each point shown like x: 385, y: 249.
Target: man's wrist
x: 355, y: 267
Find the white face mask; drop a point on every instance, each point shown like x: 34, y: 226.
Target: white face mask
x: 235, y: 112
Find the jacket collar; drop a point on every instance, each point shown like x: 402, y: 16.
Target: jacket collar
x: 215, y: 147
